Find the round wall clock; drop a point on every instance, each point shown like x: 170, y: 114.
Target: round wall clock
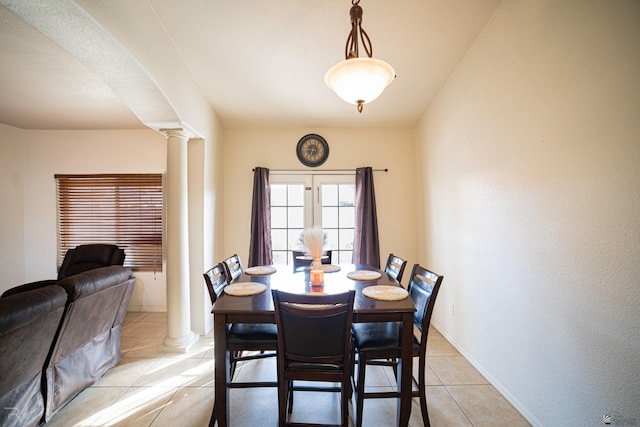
x: 312, y: 150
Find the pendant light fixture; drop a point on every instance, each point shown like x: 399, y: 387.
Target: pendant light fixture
x: 359, y: 80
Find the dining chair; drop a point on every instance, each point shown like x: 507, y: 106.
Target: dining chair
x: 314, y: 344
x: 241, y: 337
x: 395, y: 267
x: 233, y: 270
x: 380, y: 343
x: 233, y: 267
x: 299, y: 259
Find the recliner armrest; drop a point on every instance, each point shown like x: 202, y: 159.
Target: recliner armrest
x: 28, y: 287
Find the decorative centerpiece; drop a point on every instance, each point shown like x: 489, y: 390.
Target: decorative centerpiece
x: 313, y: 240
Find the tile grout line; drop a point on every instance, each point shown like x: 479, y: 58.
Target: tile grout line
x: 458, y: 405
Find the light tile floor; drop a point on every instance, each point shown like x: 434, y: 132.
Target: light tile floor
x: 151, y: 388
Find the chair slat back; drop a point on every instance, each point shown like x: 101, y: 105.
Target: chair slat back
x: 328, y: 254
x: 395, y: 267
x: 298, y: 261
x: 423, y: 290
x: 314, y: 328
x: 233, y: 267
x: 215, y: 279
x: 302, y: 262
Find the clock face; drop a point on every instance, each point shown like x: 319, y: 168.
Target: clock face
x: 312, y: 150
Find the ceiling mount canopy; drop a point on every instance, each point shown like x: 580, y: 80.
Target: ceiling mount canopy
x: 359, y: 80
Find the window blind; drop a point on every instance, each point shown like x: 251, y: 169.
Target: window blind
x: 120, y: 209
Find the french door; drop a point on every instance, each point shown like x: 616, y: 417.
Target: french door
x: 300, y: 201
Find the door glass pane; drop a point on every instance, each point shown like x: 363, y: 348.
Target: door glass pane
x: 278, y: 239
x: 345, y: 257
x: 346, y: 239
x: 295, y: 195
x: 329, y: 217
x: 280, y: 257
x: 347, y: 216
x: 332, y: 238
x: 347, y: 195
x: 278, y: 217
x: 329, y: 195
x: 278, y: 195
x: 296, y: 217
x: 295, y: 239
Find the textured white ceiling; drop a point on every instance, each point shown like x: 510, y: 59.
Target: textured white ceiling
x: 257, y: 63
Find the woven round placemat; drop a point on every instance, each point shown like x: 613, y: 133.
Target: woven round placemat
x: 260, y: 270
x: 244, y: 289
x: 364, y: 275
x: 385, y: 292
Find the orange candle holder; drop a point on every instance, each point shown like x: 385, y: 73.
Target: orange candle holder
x: 317, y: 289
x: 317, y: 277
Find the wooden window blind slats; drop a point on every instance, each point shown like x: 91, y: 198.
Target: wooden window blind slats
x: 120, y: 209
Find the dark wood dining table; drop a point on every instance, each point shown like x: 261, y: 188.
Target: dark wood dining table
x: 259, y: 309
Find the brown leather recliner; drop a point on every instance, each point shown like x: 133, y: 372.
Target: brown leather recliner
x: 28, y: 324
x: 88, y: 343
x: 75, y: 347
x: 87, y: 257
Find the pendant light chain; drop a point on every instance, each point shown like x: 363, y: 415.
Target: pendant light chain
x: 351, y: 49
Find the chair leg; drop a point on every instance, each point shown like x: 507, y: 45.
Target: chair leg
x: 362, y: 368
x: 423, y: 394
x: 232, y: 370
x: 233, y: 362
x: 352, y: 368
x: 283, y: 391
x: 290, y: 395
x: 394, y: 365
x: 344, y: 399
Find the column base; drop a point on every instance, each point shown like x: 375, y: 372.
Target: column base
x: 179, y: 345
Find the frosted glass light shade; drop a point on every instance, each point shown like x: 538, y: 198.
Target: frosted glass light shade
x: 359, y: 80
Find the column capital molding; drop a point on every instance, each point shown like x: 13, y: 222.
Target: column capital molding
x: 177, y: 132
x: 175, y: 128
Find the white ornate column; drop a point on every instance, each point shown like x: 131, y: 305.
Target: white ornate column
x: 179, y: 335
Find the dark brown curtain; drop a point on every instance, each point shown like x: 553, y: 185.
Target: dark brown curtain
x: 366, y: 246
x: 260, y: 245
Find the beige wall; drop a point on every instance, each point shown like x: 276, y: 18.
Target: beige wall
x: 47, y: 153
x: 532, y: 207
x: 12, y: 175
x: 349, y: 149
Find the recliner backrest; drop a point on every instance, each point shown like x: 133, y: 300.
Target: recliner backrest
x: 88, y: 257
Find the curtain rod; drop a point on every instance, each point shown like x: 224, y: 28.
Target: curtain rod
x: 318, y: 170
